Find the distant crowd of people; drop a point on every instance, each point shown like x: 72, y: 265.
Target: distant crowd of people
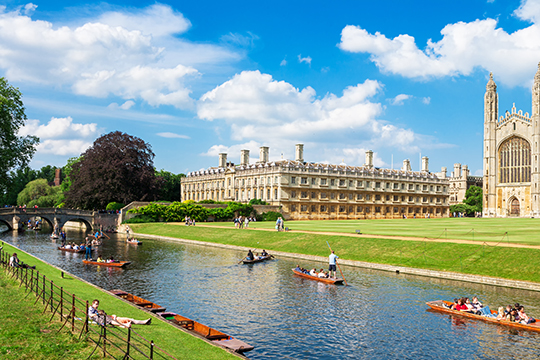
x: 242, y: 222
x: 511, y: 313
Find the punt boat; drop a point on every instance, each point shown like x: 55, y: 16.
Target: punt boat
x: 217, y: 337
x: 113, y: 264
x: 334, y: 281
x: 134, y: 242
x: 439, y: 306
x: 264, y: 258
x: 72, y: 250
x: 54, y: 236
x: 148, y: 305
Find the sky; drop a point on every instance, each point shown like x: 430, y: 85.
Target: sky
x: 404, y: 79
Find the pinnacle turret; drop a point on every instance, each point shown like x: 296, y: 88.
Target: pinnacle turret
x: 537, y: 76
x: 491, y: 86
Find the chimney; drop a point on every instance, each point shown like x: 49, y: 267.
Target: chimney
x: 443, y: 172
x: 263, y: 154
x: 57, y: 177
x: 457, y: 170
x: 406, y: 165
x: 223, y: 160
x: 369, y: 159
x: 425, y: 161
x: 465, y: 171
x: 299, y: 153
x: 244, y: 157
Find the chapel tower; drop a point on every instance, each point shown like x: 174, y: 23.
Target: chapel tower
x: 535, y: 117
x: 491, y: 112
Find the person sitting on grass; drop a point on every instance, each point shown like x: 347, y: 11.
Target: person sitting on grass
x: 101, y: 318
x: 14, y: 260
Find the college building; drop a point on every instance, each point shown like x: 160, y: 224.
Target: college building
x: 316, y: 191
x: 511, y: 154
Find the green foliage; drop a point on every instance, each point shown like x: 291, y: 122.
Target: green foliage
x: 270, y: 216
x: 239, y: 209
x: 257, y: 202
x: 66, y: 171
x: 15, y: 151
x: 33, y: 191
x: 208, y: 202
x: 177, y: 211
x: 114, y: 206
x: 462, y: 208
x: 140, y: 219
x: 169, y: 185
x: 473, y: 198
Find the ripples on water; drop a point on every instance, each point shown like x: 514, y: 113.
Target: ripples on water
x: 379, y: 316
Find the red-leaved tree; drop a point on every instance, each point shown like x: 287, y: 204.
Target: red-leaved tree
x: 118, y: 167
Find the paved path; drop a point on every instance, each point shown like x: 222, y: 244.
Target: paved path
x: 371, y: 236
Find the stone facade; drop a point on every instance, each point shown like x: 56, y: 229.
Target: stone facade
x: 460, y: 182
x: 307, y: 190
x: 511, y: 157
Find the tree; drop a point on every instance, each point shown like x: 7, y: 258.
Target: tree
x: 473, y: 198
x: 170, y: 186
x: 39, y: 192
x: 15, y: 151
x: 118, y: 167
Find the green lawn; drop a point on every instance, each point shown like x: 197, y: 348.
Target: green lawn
x: 174, y: 341
x: 503, y: 262
x: 524, y: 231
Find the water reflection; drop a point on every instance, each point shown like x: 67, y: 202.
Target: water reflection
x: 381, y: 315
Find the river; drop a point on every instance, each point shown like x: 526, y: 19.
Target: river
x: 379, y: 316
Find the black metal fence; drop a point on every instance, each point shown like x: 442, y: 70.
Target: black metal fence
x: 116, y: 342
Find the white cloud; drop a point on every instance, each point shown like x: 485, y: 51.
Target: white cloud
x: 306, y: 59
x: 463, y: 48
x: 127, y: 105
x: 171, y: 135
x: 398, y: 100
x: 426, y: 100
x: 247, y: 41
x: 283, y: 62
x: 261, y: 109
x: 29, y: 9
x: 60, y: 136
x: 132, y: 55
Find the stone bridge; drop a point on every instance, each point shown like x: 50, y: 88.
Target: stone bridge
x: 14, y: 218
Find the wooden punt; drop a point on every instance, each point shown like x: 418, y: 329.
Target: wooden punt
x: 324, y: 280
x: 72, y: 250
x: 148, y: 305
x: 438, y: 306
x: 134, y: 242
x: 113, y: 264
x: 264, y: 258
x: 217, y: 337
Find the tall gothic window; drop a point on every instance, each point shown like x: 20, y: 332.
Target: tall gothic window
x: 515, y: 161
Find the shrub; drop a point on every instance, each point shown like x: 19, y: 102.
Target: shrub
x: 257, y: 202
x: 270, y: 216
x: 139, y: 219
x: 114, y: 206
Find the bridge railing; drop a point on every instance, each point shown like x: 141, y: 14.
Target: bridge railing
x: 38, y: 211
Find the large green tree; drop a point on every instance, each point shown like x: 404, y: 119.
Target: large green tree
x: 39, y: 192
x: 170, y: 185
x: 15, y: 151
x: 118, y: 167
x: 473, y: 198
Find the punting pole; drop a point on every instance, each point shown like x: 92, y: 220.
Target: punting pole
x: 339, y: 267
x: 242, y: 260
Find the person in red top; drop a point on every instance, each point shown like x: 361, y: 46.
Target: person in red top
x: 461, y: 306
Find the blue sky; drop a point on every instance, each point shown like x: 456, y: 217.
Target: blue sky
x: 197, y: 78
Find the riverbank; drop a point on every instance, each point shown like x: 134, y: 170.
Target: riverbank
x: 177, y: 342
x: 437, y: 258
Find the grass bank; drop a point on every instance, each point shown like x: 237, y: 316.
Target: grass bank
x: 507, y: 263
x: 176, y: 342
x: 523, y: 231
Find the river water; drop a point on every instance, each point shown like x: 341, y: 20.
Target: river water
x: 379, y: 316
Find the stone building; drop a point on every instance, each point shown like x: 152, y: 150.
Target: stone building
x: 511, y: 152
x: 460, y: 181
x: 308, y: 190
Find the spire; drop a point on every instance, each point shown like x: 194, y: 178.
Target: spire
x: 537, y: 76
x: 491, y: 86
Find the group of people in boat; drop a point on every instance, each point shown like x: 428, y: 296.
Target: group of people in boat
x: 74, y: 246
x: 250, y: 255
x: 511, y: 313
x: 108, y: 261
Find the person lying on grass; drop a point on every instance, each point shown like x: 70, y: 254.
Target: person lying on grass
x: 100, y: 317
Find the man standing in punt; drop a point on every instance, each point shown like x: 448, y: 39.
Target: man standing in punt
x: 332, y: 264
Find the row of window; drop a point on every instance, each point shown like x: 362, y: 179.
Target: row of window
x: 360, y: 183
x: 363, y: 209
x: 360, y: 197
x: 237, y: 182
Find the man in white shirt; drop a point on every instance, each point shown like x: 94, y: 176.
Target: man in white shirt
x: 332, y: 264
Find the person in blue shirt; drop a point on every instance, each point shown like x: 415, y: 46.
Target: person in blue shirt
x: 332, y: 263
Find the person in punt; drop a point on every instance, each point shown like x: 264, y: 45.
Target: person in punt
x: 501, y: 314
x: 249, y: 255
x: 99, y: 259
x: 313, y: 272
x: 332, y: 264
x: 75, y: 246
x: 101, y: 318
x: 512, y: 315
x: 523, y: 318
x: 111, y: 260
x: 68, y: 246
x: 264, y: 253
x: 298, y: 268
x: 461, y: 305
x: 322, y: 274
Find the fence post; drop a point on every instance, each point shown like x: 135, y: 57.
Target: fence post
x: 61, y: 302
x: 26, y: 279
x: 104, y: 338
x: 87, y: 319
x: 128, y: 342
x: 151, y: 349
x: 52, y: 295
x: 37, y: 282
x: 43, y: 291
x: 73, y: 314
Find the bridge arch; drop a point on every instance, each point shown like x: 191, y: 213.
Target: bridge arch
x: 7, y: 223
x: 62, y: 222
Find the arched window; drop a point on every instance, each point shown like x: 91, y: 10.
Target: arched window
x: 515, y: 161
